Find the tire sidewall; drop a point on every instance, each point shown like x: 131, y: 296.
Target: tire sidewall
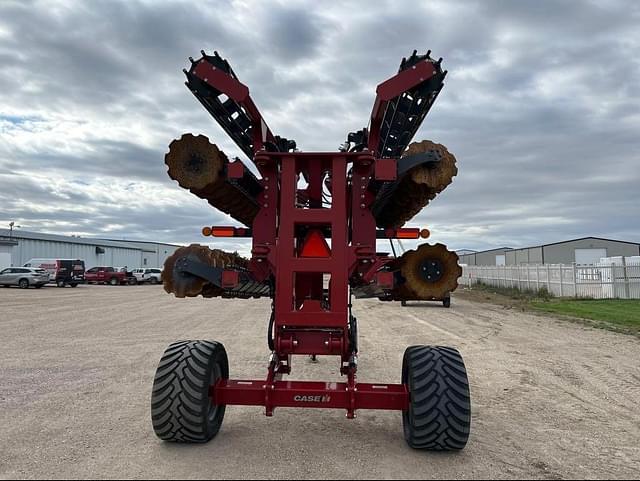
x: 218, y: 369
x: 407, y: 416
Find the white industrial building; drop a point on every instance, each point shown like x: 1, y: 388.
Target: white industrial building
x: 584, y: 251
x: 18, y: 247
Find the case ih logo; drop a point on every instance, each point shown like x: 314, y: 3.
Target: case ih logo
x: 312, y: 399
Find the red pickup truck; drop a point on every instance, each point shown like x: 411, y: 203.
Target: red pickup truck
x: 105, y: 275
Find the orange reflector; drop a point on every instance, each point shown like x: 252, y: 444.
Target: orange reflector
x: 315, y: 245
x: 223, y: 231
x: 407, y: 233
x: 206, y: 231
x: 425, y: 233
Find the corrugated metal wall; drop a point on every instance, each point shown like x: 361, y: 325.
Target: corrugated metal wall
x: 153, y: 254
x: 113, y: 256
x: 564, y: 252
x: 484, y: 258
x: 5, y: 256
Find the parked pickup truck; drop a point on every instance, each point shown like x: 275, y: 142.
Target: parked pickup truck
x: 105, y: 275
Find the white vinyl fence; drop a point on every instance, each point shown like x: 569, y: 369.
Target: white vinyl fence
x: 592, y: 281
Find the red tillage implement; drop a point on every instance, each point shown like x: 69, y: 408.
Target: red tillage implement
x: 299, y: 202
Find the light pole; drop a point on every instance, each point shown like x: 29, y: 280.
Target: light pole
x: 11, y: 225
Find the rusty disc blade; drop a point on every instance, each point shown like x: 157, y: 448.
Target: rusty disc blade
x: 430, y: 272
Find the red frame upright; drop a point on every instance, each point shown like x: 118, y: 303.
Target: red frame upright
x: 308, y: 320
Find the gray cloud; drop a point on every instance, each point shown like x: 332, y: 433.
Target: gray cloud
x: 540, y: 107
x: 294, y: 33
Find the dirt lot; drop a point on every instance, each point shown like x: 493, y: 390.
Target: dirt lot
x: 551, y: 399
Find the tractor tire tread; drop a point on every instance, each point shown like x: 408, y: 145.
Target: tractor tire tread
x: 440, y: 414
x: 180, y: 399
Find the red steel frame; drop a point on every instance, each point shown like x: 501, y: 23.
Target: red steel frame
x: 308, y: 321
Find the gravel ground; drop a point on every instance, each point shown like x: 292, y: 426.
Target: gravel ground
x: 551, y: 399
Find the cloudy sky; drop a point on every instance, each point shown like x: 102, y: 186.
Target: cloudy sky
x: 541, y: 108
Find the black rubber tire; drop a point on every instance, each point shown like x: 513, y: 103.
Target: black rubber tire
x: 60, y: 283
x: 353, y: 334
x: 439, y: 415
x: 270, y: 334
x: 23, y: 283
x: 181, y: 409
x: 113, y: 281
x: 39, y: 286
x: 74, y: 284
x: 403, y: 303
x: 446, y: 302
x: 153, y: 281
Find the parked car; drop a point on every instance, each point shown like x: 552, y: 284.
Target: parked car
x: 23, y: 277
x: 138, y: 274
x: 105, y: 275
x: 131, y: 279
x: 152, y: 276
x: 61, y: 271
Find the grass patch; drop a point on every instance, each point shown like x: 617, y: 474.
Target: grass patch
x: 513, y: 293
x: 620, y: 315
x: 621, y: 312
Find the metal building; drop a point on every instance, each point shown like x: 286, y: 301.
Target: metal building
x: 491, y: 257
x: 584, y: 251
x: 154, y: 253
x: 587, y: 250
x: 18, y: 247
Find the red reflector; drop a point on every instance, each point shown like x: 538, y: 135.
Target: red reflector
x: 223, y: 231
x: 385, y: 280
x: 235, y: 170
x: 206, y: 231
x: 230, y: 279
x: 315, y: 245
x: 408, y: 233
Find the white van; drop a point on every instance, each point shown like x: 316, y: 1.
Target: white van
x: 49, y: 265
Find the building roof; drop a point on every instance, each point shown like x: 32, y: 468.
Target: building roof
x: 143, y: 242
x: 21, y: 234
x: 491, y: 250
x: 575, y: 240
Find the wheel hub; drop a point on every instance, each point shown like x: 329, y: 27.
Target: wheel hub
x: 195, y: 164
x: 431, y: 270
